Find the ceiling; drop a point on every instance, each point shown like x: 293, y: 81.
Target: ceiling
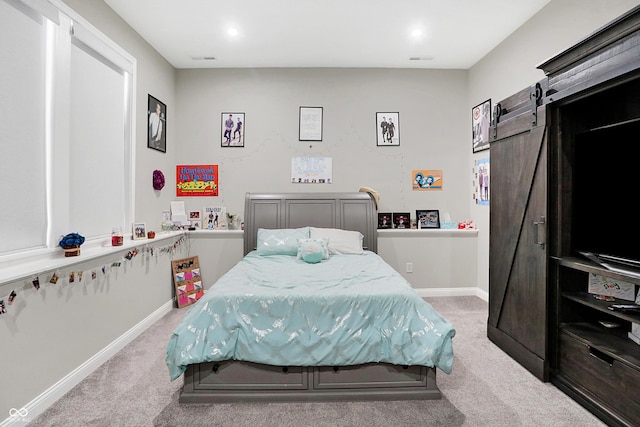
x: 455, y: 34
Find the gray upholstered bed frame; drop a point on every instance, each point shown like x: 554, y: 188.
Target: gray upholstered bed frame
x: 233, y: 381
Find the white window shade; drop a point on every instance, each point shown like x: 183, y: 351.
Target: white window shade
x: 22, y: 130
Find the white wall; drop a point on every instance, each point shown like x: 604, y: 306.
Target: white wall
x: 511, y: 66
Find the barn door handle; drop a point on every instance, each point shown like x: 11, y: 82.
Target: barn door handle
x: 540, y: 225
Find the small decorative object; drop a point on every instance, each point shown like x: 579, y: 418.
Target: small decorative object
x: 71, y: 244
x: 467, y: 225
x: 158, y: 180
x: 151, y: 235
x: 387, y: 129
x: 139, y: 230
x: 117, y: 239
x: 384, y: 220
x: 234, y: 220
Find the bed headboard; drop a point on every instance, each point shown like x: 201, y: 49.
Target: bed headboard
x: 348, y: 211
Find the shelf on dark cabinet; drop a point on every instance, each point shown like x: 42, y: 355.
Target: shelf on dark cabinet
x: 590, y: 301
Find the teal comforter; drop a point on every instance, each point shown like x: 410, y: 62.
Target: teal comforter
x: 278, y: 310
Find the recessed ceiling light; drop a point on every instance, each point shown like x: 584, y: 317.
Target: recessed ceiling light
x: 417, y: 33
x: 232, y: 32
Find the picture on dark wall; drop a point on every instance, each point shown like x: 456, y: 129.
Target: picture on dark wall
x: 157, y: 125
x: 388, y: 129
x: 480, y: 120
x: 233, y: 127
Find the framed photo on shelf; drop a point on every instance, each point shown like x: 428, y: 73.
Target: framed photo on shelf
x: 233, y: 129
x: 157, y: 125
x: 428, y: 219
x: 480, y: 121
x: 388, y: 129
x: 401, y: 220
x: 139, y: 230
x: 310, y: 124
x: 195, y: 219
x: 384, y: 220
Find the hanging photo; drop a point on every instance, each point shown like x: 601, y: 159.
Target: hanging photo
x: 388, y: 129
x: 157, y: 125
x: 480, y: 120
x: 233, y: 127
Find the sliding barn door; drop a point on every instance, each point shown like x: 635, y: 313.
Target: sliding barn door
x: 517, y: 245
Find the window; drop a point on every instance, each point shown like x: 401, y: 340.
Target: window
x: 66, y: 132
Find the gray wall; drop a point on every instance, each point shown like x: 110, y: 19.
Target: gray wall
x: 511, y: 66
x: 431, y: 104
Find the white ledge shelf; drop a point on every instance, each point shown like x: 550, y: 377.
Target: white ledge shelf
x: 11, y: 271
x: 433, y: 232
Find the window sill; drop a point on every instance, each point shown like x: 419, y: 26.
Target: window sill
x: 11, y: 271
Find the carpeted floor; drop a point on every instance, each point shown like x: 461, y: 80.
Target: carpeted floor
x: 486, y: 388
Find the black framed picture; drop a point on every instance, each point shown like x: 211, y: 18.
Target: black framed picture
x: 480, y: 121
x: 401, y: 220
x: 384, y: 220
x: 388, y: 129
x: 157, y: 125
x: 233, y: 130
x: 427, y: 218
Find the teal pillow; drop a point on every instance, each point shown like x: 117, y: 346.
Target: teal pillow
x: 281, y: 241
x: 313, y: 250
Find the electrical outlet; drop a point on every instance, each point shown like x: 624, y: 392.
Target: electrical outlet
x: 409, y: 267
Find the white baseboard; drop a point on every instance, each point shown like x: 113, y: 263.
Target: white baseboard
x: 22, y: 416
x: 452, y: 292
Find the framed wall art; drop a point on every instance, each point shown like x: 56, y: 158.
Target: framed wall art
x: 139, y: 230
x: 388, y: 129
x: 428, y: 219
x: 157, y: 125
x: 401, y: 220
x: 233, y: 130
x: 480, y: 121
x: 384, y: 220
x: 310, y: 124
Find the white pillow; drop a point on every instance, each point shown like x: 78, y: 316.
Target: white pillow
x: 340, y: 241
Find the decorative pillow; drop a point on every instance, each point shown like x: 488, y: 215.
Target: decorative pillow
x: 306, y: 246
x: 312, y: 251
x: 340, y: 241
x: 282, y: 241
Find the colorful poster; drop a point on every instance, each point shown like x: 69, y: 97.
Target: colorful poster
x: 482, y: 182
x: 196, y: 180
x: 427, y: 179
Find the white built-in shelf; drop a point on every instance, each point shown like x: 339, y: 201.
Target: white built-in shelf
x: 430, y: 232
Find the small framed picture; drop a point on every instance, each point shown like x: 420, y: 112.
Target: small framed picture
x: 195, y: 219
x: 310, y: 128
x: 139, y: 230
x: 428, y: 219
x: 388, y: 129
x: 384, y: 220
x: 233, y: 130
x: 401, y: 220
x: 157, y: 125
x: 480, y: 121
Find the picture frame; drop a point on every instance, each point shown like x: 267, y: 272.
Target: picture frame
x: 480, y: 123
x: 385, y: 220
x: 139, y: 230
x: 233, y: 129
x: 388, y: 129
x: 310, y: 124
x: 427, y: 218
x: 402, y: 220
x: 156, y: 124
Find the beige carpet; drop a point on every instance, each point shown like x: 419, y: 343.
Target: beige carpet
x: 486, y: 388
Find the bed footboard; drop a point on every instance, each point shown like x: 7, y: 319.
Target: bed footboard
x: 234, y: 381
